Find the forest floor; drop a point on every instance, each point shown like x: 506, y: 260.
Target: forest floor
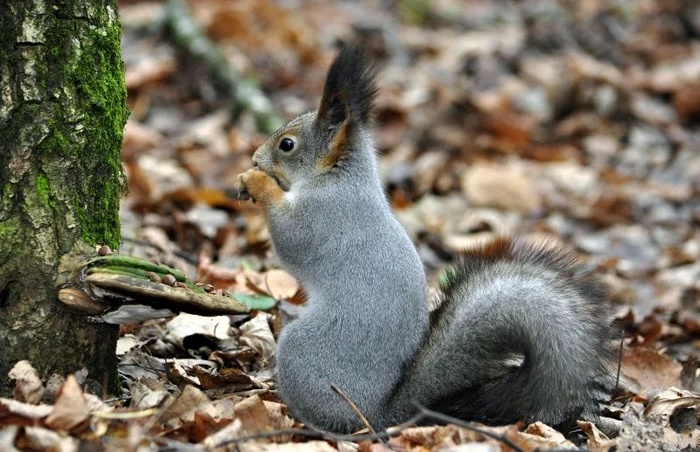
x: 577, y: 122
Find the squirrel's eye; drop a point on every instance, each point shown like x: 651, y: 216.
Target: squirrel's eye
x: 286, y: 145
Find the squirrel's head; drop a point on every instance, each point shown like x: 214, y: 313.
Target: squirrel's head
x: 321, y: 141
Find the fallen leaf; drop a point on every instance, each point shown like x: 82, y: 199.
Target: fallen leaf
x: 183, y: 408
x: 71, y: 409
x: 9, y: 407
x: 504, y: 187
x: 280, y: 284
x: 597, y: 440
x: 257, y: 335
x: 221, y: 409
x: 539, y: 435
x: 7, y: 437
x: 126, y: 343
x: 147, y: 393
x: 231, y: 431
x: 308, y: 446
x: 677, y: 410
x: 650, y: 369
x: 28, y: 386
x: 202, y: 426
x: 253, y: 414
x: 185, y: 325
x: 256, y: 302
x: 277, y: 413
x: 216, y: 379
x: 37, y: 438
x: 149, y: 71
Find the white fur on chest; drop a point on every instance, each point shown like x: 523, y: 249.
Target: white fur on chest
x: 291, y: 196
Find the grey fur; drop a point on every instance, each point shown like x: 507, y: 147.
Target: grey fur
x: 529, y: 331
x: 515, y: 334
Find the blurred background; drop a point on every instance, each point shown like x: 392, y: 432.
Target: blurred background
x: 572, y: 120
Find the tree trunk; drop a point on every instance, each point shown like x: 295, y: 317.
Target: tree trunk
x: 62, y: 114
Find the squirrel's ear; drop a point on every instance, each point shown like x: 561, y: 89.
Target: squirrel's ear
x: 350, y: 89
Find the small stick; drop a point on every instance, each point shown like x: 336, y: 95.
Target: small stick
x: 423, y: 414
x: 619, y: 362
x: 352, y: 405
x: 468, y: 425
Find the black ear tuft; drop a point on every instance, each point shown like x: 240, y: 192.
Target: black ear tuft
x: 350, y: 88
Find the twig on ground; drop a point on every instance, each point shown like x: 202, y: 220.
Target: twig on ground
x: 354, y: 407
x: 187, y: 34
x: 619, y: 362
x: 429, y: 414
x: 423, y: 414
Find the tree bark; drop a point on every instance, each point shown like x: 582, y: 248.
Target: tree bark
x: 62, y: 114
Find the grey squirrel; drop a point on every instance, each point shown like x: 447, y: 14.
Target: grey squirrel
x: 520, y: 333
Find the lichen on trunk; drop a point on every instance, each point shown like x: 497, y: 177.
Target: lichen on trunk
x: 62, y: 114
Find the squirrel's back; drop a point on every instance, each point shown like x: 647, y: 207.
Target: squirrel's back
x: 521, y: 334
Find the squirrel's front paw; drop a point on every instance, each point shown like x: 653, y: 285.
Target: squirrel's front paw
x: 257, y: 185
x: 243, y: 193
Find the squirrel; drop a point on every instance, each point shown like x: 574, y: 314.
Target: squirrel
x: 520, y: 334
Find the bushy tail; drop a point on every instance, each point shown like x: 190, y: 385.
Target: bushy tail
x: 521, y: 334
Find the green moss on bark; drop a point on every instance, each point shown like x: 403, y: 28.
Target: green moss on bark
x: 10, y: 238
x: 42, y: 188
x: 90, y: 75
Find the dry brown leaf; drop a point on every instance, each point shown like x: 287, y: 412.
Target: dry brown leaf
x: 232, y: 279
x: 501, y: 186
x: 650, y: 369
x: 221, y: 409
x: 149, y: 71
x: 586, y: 67
x: 677, y: 409
x: 252, y: 414
x: 185, y: 325
x: 669, y: 400
x: 686, y: 101
x: 280, y: 284
x: 257, y: 335
x: 231, y: 431
x: 202, y: 426
x: 71, y: 408
x: 425, y: 437
x: 37, y: 438
x: 9, y: 407
x: 213, y: 379
x: 670, y: 77
x: 346, y: 446
x: 512, y: 130
x: 7, y: 438
x: 278, y: 415
x: 539, y: 435
x: 147, y: 393
x: 138, y: 137
x: 183, y: 408
x: 309, y: 446
x: 378, y: 447
x: 597, y: 440
x: 28, y: 386
x: 214, y: 198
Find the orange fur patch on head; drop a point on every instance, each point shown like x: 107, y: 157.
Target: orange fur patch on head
x: 338, y: 147
x: 499, y: 248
